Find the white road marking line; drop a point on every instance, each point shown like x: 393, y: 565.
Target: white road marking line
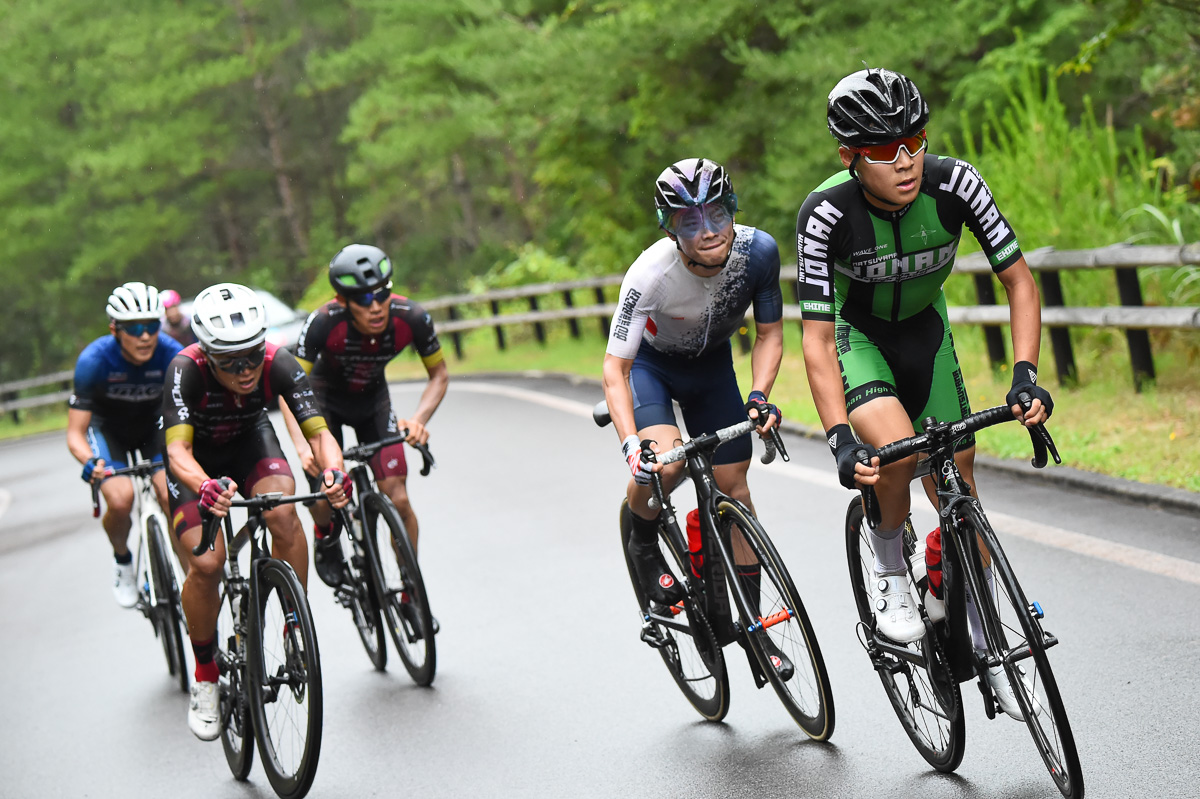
x: 1102, y: 549
x: 5, y: 500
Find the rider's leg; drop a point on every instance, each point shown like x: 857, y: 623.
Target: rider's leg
x: 287, y: 535
x: 200, y: 597
x: 159, y: 481
x: 396, y: 487
x: 879, y: 422
x: 118, y: 501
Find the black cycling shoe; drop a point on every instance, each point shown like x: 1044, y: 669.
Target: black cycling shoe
x: 779, y: 661
x: 414, y: 621
x: 329, y: 561
x: 659, y: 585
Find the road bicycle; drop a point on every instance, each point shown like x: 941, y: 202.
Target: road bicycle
x: 922, y: 679
x: 767, y: 620
x: 155, y: 567
x: 270, y: 667
x: 382, y: 578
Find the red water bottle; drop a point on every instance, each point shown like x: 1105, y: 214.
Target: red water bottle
x: 933, y: 561
x: 694, y: 541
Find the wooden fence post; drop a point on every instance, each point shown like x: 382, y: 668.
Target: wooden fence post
x: 539, y: 330
x: 1140, y: 358
x: 499, y: 330
x: 1060, y: 337
x: 572, y: 322
x: 603, y: 319
x: 986, y: 295
x: 456, y: 337
x: 15, y: 413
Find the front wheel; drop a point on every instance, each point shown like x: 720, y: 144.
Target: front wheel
x: 167, y: 613
x: 400, y: 588
x: 919, y: 686
x: 285, y: 680
x: 361, y: 600
x: 682, y: 634
x: 776, y: 623
x: 1014, y: 631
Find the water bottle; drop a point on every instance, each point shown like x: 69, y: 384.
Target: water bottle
x: 932, y: 551
x: 694, y: 541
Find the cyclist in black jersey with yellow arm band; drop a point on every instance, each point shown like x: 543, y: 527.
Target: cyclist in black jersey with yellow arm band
x: 347, y: 344
x: 874, y: 246
x: 218, y: 441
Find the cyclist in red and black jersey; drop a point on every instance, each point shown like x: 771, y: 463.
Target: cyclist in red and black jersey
x: 347, y: 344
x: 218, y: 441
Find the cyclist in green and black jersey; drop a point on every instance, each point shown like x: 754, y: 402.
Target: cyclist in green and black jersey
x: 874, y: 245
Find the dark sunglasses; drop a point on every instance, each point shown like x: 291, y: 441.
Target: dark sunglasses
x: 368, y: 298
x: 139, y: 329
x: 235, y: 363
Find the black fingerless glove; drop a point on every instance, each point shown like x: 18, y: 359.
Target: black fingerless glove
x: 1025, y: 380
x: 847, y: 451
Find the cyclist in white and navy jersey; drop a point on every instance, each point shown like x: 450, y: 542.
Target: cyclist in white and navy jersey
x: 115, y: 410
x: 680, y: 304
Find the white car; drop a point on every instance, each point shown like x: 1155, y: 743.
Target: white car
x: 284, y: 322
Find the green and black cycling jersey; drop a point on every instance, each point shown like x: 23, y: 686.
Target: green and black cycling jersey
x: 856, y: 260
x: 878, y: 276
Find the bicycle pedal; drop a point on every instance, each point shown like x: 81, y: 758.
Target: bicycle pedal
x: 653, y: 636
x: 1035, y: 608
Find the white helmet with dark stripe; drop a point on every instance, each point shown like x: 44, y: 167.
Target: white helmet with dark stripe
x: 690, y: 182
x: 229, y: 317
x: 134, y: 300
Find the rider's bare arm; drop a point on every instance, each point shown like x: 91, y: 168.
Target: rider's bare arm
x: 77, y: 425
x: 1025, y: 314
x: 303, y: 448
x: 431, y: 398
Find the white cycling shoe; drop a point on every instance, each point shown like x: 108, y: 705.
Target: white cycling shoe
x: 1005, y: 697
x: 125, y: 585
x: 896, y: 615
x: 203, y: 719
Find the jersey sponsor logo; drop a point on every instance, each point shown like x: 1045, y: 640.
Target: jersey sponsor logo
x: 813, y: 246
x: 966, y: 182
x: 393, y: 463
x: 117, y: 377
x: 889, y: 269
x: 817, y: 307
x: 273, y: 466
x: 134, y: 393
x: 177, y: 395
x: 1004, y: 253
x: 625, y: 317
x: 666, y: 580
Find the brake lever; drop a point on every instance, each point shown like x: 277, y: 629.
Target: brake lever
x: 870, y: 500
x: 1039, y: 437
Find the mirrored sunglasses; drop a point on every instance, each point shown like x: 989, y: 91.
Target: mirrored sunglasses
x: 888, y: 153
x: 139, y: 329
x: 688, y: 223
x: 235, y: 363
x: 368, y: 298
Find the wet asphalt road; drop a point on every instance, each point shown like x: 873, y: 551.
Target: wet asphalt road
x: 543, y: 688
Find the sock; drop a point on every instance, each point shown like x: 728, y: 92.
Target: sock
x: 320, y: 531
x: 125, y: 559
x: 645, y: 531
x: 751, y: 577
x: 206, y: 668
x: 889, y: 551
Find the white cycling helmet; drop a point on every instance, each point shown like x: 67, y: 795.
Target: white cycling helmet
x: 134, y: 300
x: 228, y: 317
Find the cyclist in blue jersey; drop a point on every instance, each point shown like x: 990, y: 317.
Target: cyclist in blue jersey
x: 680, y: 304
x: 874, y: 246
x: 116, y: 409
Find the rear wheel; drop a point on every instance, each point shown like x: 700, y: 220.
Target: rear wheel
x: 167, y: 613
x: 1013, y: 629
x: 682, y: 635
x: 779, y: 625
x: 237, y: 735
x: 285, y: 681
x: 363, y: 603
x: 920, y: 687
x: 401, y: 589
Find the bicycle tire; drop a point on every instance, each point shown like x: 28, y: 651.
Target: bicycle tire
x: 806, y: 695
x: 938, y: 732
x: 401, y: 588
x: 237, y: 732
x: 363, y: 604
x: 168, y: 613
x: 1011, y: 626
x: 285, y: 680
x: 695, y: 661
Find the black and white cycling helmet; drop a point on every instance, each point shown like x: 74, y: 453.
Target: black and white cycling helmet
x: 132, y: 301
x: 228, y: 317
x: 691, y: 182
x: 360, y: 268
x: 875, y: 106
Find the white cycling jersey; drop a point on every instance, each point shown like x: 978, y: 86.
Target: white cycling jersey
x: 679, y: 313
